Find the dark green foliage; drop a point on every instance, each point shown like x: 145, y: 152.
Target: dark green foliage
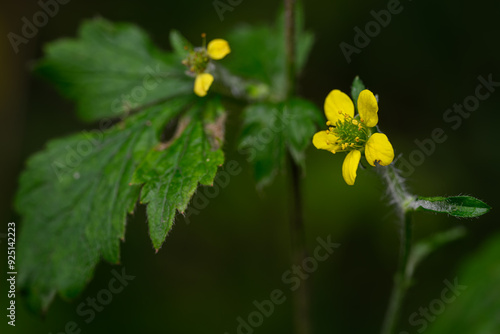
x: 112, y: 69
x: 259, y: 53
x: 272, y: 130
x: 74, y: 197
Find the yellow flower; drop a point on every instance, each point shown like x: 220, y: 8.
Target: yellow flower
x: 356, y: 135
x: 199, y: 60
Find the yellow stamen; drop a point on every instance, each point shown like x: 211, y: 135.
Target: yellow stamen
x: 355, y: 122
x: 328, y: 123
x: 356, y: 139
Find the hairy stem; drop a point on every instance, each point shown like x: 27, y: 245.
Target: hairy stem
x: 402, y: 199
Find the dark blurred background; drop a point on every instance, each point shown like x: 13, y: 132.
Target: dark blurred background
x: 210, y: 271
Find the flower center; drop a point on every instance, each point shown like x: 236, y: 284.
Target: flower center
x: 352, y: 133
x: 197, y: 61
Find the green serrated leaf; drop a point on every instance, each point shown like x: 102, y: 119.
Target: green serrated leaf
x: 171, y: 173
x: 112, y: 68
x: 473, y: 301
x: 357, y: 87
x: 180, y: 44
x: 272, y: 130
x: 458, y: 206
x: 74, y: 197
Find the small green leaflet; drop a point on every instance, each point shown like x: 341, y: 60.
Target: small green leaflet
x: 458, y: 206
x: 357, y: 87
x: 111, y: 69
x: 272, y: 130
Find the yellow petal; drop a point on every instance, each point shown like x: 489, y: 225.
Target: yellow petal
x: 324, y: 141
x: 368, y: 108
x: 379, y: 149
x: 218, y: 49
x: 202, y: 83
x: 338, y: 101
x: 350, y: 166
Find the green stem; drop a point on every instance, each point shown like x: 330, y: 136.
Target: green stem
x: 402, y: 199
x: 301, y: 297
x: 302, y: 321
x: 401, y: 280
x: 290, y: 46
